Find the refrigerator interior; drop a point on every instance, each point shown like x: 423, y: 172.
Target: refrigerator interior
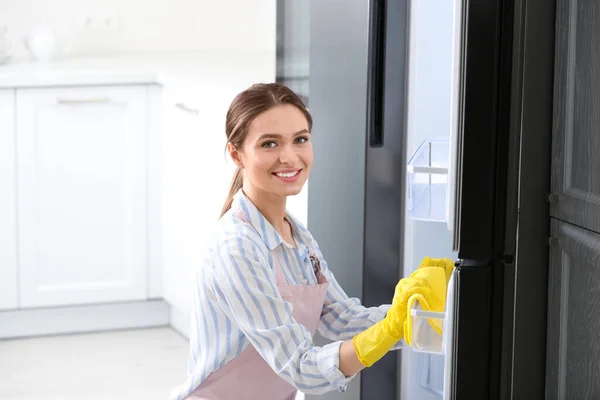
x: 434, y: 52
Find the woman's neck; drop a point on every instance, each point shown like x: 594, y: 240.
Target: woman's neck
x: 271, y: 206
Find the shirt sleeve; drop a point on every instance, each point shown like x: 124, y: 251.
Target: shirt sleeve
x: 245, y: 288
x: 344, y: 317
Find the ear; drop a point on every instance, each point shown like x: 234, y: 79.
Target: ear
x: 235, y: 155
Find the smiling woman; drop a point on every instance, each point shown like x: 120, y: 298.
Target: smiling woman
x: 264, y: 289
x: 268, y: 133
x: 275, y: 163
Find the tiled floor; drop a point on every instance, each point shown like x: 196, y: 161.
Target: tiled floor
x: 132, y: 365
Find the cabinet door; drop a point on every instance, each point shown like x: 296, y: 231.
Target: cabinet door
x: 573, y: 342
x: 81, y: 195
x: 576, y: 141
x: 195, y: 179
x: 8, y: 196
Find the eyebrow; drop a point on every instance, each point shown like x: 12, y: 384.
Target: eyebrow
x: 277, y: 135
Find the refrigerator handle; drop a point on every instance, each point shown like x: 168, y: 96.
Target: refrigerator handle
x: 376, y: 72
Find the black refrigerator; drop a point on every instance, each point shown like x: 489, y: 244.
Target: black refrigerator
x: 424, y: 146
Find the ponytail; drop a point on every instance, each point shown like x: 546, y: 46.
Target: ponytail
x: 236, y: 185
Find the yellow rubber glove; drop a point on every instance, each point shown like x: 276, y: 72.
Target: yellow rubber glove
x: 431, y: 296
x: 445, y: 263
x: 373, y: 343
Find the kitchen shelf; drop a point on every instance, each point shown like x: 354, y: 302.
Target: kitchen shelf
x: 427, y: 174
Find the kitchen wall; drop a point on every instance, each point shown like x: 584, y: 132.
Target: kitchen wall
x: 107, y: 27
x: 115, y: 26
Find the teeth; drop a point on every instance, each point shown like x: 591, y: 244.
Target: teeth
x: 287, y: 175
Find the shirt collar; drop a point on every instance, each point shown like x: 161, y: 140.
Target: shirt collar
x: 268, y: 234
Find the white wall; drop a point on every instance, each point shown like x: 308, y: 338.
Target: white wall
x: 144, y: 25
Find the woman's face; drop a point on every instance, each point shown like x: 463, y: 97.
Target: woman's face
x: 277, y: 153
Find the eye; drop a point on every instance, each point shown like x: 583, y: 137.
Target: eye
x: 268, y: 144
x: 302, y: 139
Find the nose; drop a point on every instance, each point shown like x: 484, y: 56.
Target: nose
x: 288, y: 155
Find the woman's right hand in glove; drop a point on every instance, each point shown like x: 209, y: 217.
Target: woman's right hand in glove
x: 373, y: 343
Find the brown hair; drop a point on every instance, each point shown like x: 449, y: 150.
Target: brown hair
x: 246, y: 106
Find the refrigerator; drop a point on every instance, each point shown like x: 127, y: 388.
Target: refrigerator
x: 419, y: 152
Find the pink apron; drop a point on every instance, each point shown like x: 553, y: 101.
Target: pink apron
x: 248, y: 376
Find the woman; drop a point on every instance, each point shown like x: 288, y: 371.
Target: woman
x: 264, y: 288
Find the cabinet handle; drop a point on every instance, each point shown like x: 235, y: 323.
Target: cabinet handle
x: 93, y: 100
x: 185, y: 108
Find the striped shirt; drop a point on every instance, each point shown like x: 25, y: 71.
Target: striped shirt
x: 237, y: 303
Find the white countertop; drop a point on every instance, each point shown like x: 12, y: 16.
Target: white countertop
x: 216, y: 69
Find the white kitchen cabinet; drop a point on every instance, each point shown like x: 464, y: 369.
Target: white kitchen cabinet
x: 195, y: 179
x: 82, y: 194
x: 8, y: 195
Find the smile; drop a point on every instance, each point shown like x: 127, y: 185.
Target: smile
x: 287, y: 174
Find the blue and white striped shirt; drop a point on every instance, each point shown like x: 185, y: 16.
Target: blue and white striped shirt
x: 237, y: 303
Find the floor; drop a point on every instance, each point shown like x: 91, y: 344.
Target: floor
x: 138, y: 364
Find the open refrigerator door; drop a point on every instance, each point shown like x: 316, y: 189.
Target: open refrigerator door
x: 433, y: 185
x: 435, y: 167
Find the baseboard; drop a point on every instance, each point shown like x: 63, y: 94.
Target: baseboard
x: 180, y: 322
x: 80, y: 319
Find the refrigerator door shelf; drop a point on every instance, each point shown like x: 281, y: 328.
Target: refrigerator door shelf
x: 428, y: 180
x: 424, y: 338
